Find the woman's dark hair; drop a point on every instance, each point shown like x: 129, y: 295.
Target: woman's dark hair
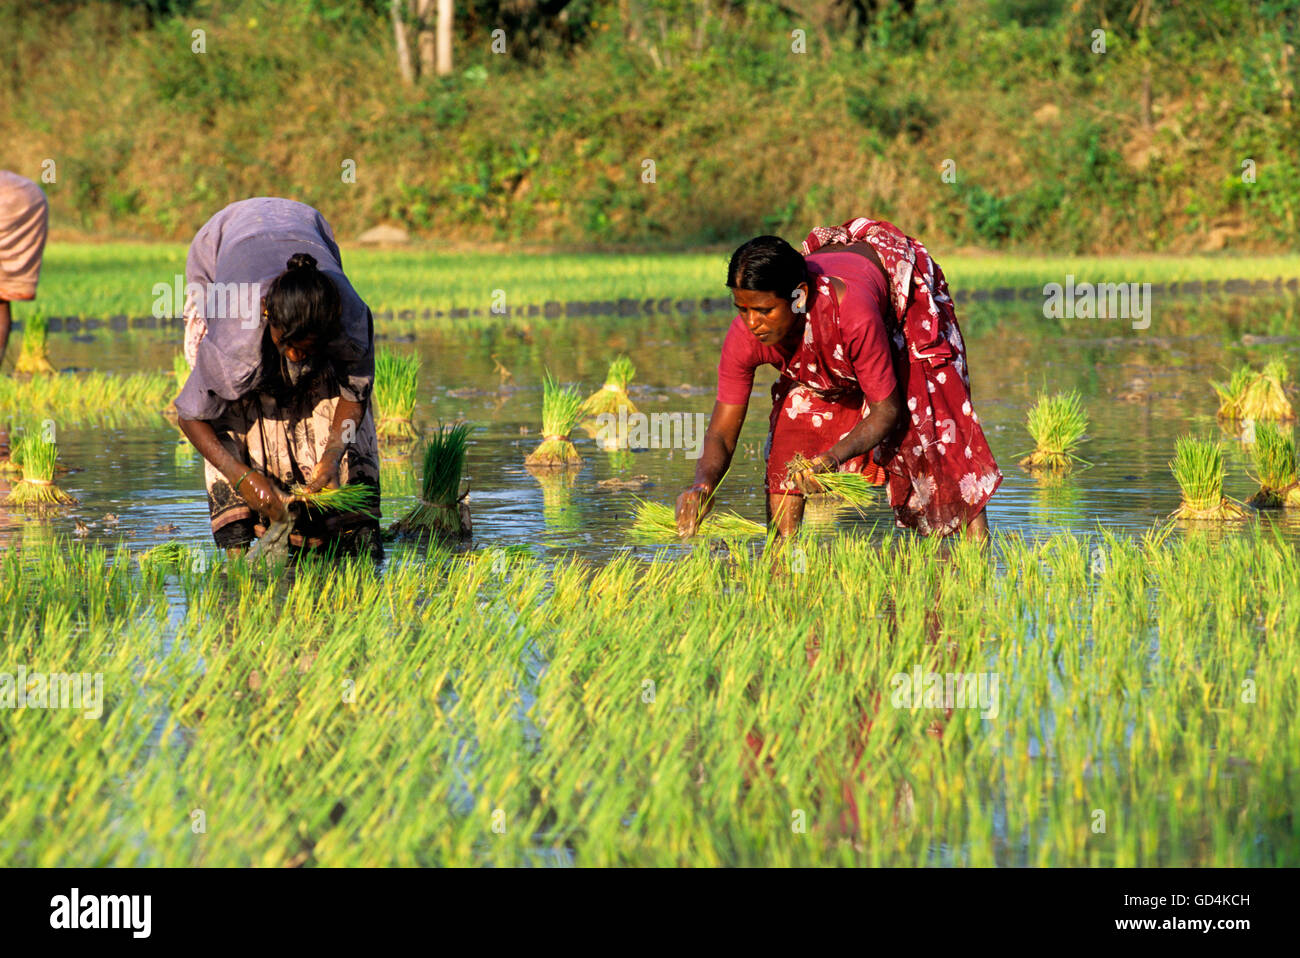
x: 302, y: 302
x: 767, y: 264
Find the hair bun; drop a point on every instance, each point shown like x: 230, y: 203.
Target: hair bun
x: 301, y: 261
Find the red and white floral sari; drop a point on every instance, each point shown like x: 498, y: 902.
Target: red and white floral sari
x: 940, y: 469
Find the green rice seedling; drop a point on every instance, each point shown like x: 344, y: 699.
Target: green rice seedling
x: 354, y: 497
x: 1266, y: 398
x: 169, y: 555
x: 38, y: 459
x: 852, y: 488
x: 34, y: 355
x: 86, y: 397
x: 1232, y: 394
x: 1057, y: 424
x: 1274, y: 457
x: 656, y: 522
x: 1198, y: 467
x: 443, y: 511
x: 397, y: 380
x: 561, y: 407
x: 612, y: 397
x: 1256, y: 395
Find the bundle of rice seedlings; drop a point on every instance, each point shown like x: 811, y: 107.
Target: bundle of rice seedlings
x: 1198, y: 467
x: 1233, y: 392
x: 852, y: 488
x: 38, y: 459
x: 169, y: 555
x: 656, y: 522
x: 561, y: 408
x: 1253, y: 395
x: 1266, y: 400
x: 612, y: 397
x: 34, y: 357
x: 397, y: 381
x: 353, y: 497
x: 1057, y: 424
x: 1274, y: 457
x: 442, y: 512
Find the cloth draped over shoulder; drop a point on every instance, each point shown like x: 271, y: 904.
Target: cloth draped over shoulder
x: 232, y: 261
x: 940, y: 469
x: 24, y: 219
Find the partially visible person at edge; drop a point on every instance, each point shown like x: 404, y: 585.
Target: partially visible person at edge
x: 281, y: 375
x: 24, y: 220
x: 873, y: 379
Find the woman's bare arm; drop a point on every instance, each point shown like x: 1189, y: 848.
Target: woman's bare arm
x: 719, y: 446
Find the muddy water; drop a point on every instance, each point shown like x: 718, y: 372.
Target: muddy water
x: 1142, y: 389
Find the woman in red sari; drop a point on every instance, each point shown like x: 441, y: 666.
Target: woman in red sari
x: 872, y: 379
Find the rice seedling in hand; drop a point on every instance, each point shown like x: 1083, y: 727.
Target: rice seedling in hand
x: 1057, y: 424
x: 34, y: 356
x: 38, y: 459
x: 1274, y: 458
x: 443, y: 511
x: 853, y: 488
x: 1198, y: 467
x: 561, y: 408
x: 354, y: 497
x: 397, y: 381
x: 612, y: 397
x: 656, y: 522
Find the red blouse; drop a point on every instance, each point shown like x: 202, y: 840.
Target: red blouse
x: 861, y: 321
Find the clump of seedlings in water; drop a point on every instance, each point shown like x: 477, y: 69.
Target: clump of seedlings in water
x: 851, y: 488
x: 167, y: 556
x: 34, y: 356
x: 443, y: 512
x: 38, y: 460
x: 1274, y: 458
x: 1198, y: 467
x: 1255, y: 395
x: 397, y: 380
x: 1057, y: 425
x: 612, y: 397
x: 101, y: 397
x: 561, y: 409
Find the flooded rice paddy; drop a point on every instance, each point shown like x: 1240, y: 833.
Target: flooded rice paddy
x: 1141, y: 388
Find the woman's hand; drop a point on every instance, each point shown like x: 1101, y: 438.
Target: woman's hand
x: 692, y: 506
x: 804, y: 478
x: 261, y: 495
x: 327, y: 469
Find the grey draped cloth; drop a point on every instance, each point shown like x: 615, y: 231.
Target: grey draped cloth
x: 231, y: 264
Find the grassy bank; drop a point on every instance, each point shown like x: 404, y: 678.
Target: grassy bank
x: 636, y: 714
x: 998, y: 125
